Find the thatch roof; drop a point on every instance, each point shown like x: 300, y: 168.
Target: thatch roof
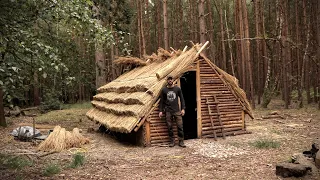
x: 122, y: 103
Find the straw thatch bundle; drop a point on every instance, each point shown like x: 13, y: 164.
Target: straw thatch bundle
x: 61, y: 139
x: 152, y: 58
x: 130, y: 60
x: 164, y: 54
x: 78, y: 138
x: 55, y: 141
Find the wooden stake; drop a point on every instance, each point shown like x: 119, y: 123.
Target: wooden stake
x: 199, y: 120
x: 185, y: 49
x: 201, y: 49
x: 211, y: 120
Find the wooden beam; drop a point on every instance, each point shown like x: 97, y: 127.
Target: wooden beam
x: 243, y: 121
x: 199, y: 120
x: 147, y: 133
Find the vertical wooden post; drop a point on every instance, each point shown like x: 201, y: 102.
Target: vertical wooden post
x: 147, y: 134
x: 243, y: 121
x: 199, y: 120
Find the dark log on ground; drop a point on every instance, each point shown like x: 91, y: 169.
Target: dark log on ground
x: 291, y: 169
x: 317, y: 160
x: 299, y: 158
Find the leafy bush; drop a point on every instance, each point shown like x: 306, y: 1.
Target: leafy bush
x: 78, y: 160
x: 50, y: 102
x: 265, y: 144
x: 51, y: 169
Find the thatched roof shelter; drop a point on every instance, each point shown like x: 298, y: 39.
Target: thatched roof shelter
x: 122, y: 104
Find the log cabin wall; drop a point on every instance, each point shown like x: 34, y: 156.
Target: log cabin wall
x: 231, y: 111
x: 158, y: 131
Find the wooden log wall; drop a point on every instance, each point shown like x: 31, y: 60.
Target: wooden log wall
x: 231, y: 112
x: 230, y: 108
x: 158, y: 131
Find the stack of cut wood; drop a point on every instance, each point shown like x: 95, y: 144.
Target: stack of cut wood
x: 61, y: 139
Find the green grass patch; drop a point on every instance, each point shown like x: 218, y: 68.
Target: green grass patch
x: 16, y: 162
x: 265, y: 144
x: 275, y: 131
x: 77, y: 160
x: 62, y: 115
x: 235, y: 144
x: 84, y: 105
x: 51, y: 169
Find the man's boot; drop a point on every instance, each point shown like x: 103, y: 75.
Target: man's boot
x: 181, y: 144
x: 171, y: 144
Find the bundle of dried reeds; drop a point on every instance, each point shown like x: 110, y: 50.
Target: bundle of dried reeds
x: 130, y: 60
x: 61, y: 139
x: 55, y: 141
x: 163, y: 54
x: 78, y: 139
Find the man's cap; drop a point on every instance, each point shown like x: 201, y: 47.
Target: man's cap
x: 169, y: 77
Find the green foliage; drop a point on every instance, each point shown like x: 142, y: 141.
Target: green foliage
x: 16, y: 162
x: 51, y: 169
x: 44, y: 44
x: 50, y: 102
x: 78, y: 160
x: 265, y: 144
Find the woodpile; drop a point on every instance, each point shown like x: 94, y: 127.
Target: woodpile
x: 60, y: 139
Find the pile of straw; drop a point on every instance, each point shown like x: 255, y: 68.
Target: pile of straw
x: 60, y: 139
x: 130, y: 60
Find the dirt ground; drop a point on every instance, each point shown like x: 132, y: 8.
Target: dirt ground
x: 232, y: 158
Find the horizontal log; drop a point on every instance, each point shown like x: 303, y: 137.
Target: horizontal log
x: 231, y: 133
x: 225, y: 106
x: 205, y: 111
x: 160, y: 141
x: 215, y: 118
x: 163, y: 138
x: 159, y: 134
x: 222, y: 127
x: 205, y: 115
x: 216, y: 123
x: 161, y: 129
x: 206, y: 132
x: 210, y: 81
x: 208, y: 75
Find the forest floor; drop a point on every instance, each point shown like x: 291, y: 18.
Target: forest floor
x: 236, y: 157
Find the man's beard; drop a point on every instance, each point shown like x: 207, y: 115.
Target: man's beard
x: 170, y: 83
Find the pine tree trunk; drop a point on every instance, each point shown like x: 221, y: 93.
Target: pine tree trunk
x: 202, y: 22
x: 2, y: 118
x: 242, y: 52
x: 285, y: 51
x: 223, y: 47
x: 305, y: 57
x: 159, y: 33
x: 318, y: 50
x: 211, y: 30
x: 165, y: 25
x: 258, y: 47
x: 229, y: 45
x: 247, y: 48
x: 238, y: 43
x: 100, y: 61
x: 36, y: 95
x: 299, y: 87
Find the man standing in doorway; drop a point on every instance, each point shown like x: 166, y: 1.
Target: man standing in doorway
x: 169, y: 107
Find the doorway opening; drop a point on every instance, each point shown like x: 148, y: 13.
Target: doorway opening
x: 189, y: 91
